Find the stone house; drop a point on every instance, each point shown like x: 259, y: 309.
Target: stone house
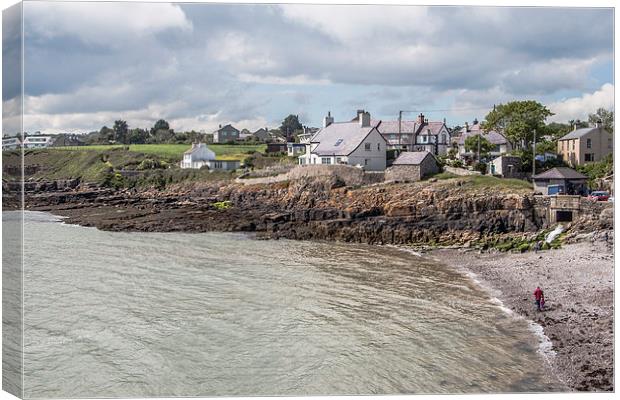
x: 560, y: 180
x: 585, y: 145
x: 356, y: 143
x: 200, y: 156
x: 411, y: 166
x: 226, y: 134
x: 506, y: 167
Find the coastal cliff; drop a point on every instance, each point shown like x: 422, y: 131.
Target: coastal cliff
x: 457, y: 211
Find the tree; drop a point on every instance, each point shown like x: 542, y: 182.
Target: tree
x: 160, y: 125
x: 473, y: 141
x: 120, y: 131
x: 518, y: 120
x: 290, y: 126
x: 105, y: 135
x: 138, y: 136
x: 605, y: 116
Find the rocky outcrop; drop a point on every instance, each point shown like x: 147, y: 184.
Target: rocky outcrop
x: 324, y: 208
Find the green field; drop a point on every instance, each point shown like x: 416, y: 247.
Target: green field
x: 174, y: 152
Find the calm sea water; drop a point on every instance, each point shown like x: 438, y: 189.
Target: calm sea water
x: 150, y: 314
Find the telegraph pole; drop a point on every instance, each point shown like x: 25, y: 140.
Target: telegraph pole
x: 534, y: 155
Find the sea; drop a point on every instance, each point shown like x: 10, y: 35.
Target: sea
x: 115, y: 314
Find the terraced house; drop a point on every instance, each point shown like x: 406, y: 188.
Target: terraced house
x: 417, y: 135
x: 585, y: 145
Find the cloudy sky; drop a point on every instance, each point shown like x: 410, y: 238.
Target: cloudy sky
x: 200, y: 65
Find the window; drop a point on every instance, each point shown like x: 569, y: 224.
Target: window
x: 573, y: 141
x: 589, y: 157
x: 366, y: 161
x: 379, y: 146
x: 326, y: 160
x: 443, y: 138
x: 424, y: 139
x: 338, y: 142
x: 217, y: 165
x: 589, y: 143
x: 367, y: 146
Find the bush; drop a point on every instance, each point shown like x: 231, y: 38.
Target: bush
x: 480, y: 167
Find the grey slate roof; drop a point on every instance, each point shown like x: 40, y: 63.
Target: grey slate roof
x: 560, y: 173
x: 340, y: 138
x: 577, y: 133
x: 411, y: 158
x: 492, y: 136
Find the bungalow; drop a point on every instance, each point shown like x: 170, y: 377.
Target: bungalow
x: 355, y: 143
x: 411, y: 166
x: 501, y: 144
x: 200, y: 156
x: 560, y: 180
x: 37, y: 142
x: 11, y: 143
x: 585, y: 145
x: 418, y: 135
x: 226, y: 134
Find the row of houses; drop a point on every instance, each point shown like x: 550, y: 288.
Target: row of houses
x: 228, y: 134
x: 365, y: 141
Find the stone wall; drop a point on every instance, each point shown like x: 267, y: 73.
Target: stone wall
x: 403, y: 173
x: 460, y: 171
x: 351, y: 176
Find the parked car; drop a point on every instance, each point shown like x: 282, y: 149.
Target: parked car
x: 599, y: 196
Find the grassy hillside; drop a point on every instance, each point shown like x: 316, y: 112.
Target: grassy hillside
x: 174, y: 152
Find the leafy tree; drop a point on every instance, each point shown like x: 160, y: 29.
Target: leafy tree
x: 120, y: 131
x: 138, y: 136
x: 518, y: 120
x: 290, y: 126
x: 472, y: 142
x: 105, y: 135
x: 578, y: 124
x: 160, y: 125
x: 605, y: 116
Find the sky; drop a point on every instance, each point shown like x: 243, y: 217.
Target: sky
x: 202, y: 65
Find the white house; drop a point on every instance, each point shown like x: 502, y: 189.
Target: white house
x: 501, y: 144
x: 356, y: 143
x: 11, y: 143
x: 200, y: 155
x: 37, y: 142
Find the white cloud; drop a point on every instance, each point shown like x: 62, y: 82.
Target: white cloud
x: 103, y: 23
x: 277, y: 80
x: 356, y: 23
x: 580, y: 107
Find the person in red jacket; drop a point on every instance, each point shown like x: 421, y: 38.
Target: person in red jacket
x: 540, y: 298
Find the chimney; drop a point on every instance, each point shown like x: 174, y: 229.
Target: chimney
x: 475, y: 121
x: 466, y: 126
x: 327, y: 121
x: 220, y: 126
x: 420, y: 119
x: 364, y: 118
x: 599, y: 124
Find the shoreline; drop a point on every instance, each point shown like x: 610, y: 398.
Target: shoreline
x: 551, y: 328
x: 578, y: 317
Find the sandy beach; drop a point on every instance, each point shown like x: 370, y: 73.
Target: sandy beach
x: 578, y: 283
